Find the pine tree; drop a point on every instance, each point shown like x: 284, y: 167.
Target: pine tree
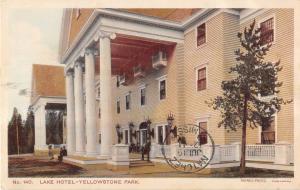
x: 15, y: 131
x: 241, y: 104
x: 29, y: 132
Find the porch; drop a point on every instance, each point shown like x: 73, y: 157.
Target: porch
x: 278, y: 156
x: 272, y: 156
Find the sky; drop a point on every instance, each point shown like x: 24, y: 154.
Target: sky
x: 33, y: 38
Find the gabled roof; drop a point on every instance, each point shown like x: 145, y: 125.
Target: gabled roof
x: 47, y: 80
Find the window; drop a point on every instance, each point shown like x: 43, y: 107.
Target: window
x: 98, y: 92
x: 143, y: 96
x: 126, y: 137
x: 162, y: 136
x: 201, y: 80
x: 162, y: 89
x: 118, y: 107
x: 267, y: 31
x: 127, y: 100
x: 144, y: 135
x: 160, y: 139
x: 268, y: 131
x: 202, y: 136
x: 118, y: 81
x: 201, y: 34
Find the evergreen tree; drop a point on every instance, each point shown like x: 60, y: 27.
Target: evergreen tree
x: 241, y: 104
x: 29, y: 132
x: 15, y: 131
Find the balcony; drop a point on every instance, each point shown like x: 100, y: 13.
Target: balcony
x: 159, y: 60
x: 138, y: 72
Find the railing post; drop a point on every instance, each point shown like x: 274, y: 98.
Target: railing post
x: 120, y: 157
x: 237, y: 152
x: 282, y: 153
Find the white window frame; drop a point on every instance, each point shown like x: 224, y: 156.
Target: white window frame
x: 128, y: 94
x: 164, y: 126
x: 275, y: 128
x: 118, y: 100
x: 140, y: 88
x: 205, y: 65
x: 196, y: 35
x: 128, y: 136
x: 274, y: 25
x: 162, y: 78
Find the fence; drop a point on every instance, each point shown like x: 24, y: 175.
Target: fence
x: 260, y: 153
x: 228, y: 153
x: 274, y: 153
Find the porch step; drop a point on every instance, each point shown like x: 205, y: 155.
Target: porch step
x: 139, y: 163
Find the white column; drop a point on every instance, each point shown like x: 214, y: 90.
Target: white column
x: 40, y: 128
x: 79, y: 119
x: 70, y: 113
x: 91, y: 131
x: 105, y: 96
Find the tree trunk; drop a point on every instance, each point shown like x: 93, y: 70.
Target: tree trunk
x: 244, y: 130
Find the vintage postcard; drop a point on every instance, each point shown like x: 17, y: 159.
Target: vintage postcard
x: 131, y: 95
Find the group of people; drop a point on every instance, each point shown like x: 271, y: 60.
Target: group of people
x: 62, y: 153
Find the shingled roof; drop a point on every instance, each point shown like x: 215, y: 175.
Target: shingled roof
x: 47, y: 80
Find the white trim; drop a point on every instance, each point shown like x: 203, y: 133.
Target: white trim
x: 162, y: 78
x: 128, y: 94
x: 126, y: 128
x: 249, y: 14
x: 197, y: 68
x: 140, y: 95
x: 78, y: 13
x: 131, y: 24
x: 48, y: 99
x: 274, y: 25
x: 188, y: 27
x: 164, y: 127
x: 118, y: 100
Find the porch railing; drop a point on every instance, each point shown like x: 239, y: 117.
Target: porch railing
x: 273, y: 153
x: 260, y: 153
x: 228, y: 153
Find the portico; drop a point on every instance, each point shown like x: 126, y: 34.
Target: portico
x: 105, y: 48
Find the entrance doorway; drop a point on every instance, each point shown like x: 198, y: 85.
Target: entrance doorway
x: 144, y: 135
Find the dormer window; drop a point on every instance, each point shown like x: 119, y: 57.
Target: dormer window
x: 201, y: 34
